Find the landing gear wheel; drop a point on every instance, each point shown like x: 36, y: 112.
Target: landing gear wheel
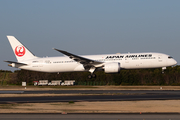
x: 89, y: 76
x: 93, y: 75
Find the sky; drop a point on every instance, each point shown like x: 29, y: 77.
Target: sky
x: 87, y: 27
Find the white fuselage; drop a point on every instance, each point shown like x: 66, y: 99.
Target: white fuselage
x: 127, y: 61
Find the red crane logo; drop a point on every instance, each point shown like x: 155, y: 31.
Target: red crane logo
x: 20, y: 50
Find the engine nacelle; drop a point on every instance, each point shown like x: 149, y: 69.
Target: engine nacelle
x: 112, y: 67
x: 12, y: 65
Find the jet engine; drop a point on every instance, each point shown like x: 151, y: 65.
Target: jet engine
x: 112, y: 67
x: 12, y: 65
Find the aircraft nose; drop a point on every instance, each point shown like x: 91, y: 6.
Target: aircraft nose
x: 175, y: 62
x: 172, y: 62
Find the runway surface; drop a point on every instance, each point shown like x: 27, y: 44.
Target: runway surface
x: 92, y: 92
x: 114, y: 95
x: 90, y: 116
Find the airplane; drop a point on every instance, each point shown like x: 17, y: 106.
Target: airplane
x: 109, y: 63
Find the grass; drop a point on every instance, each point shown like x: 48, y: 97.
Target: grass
x: 7, y: 106
x: 71, y: 102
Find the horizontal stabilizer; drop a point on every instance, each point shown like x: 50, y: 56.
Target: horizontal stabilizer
x: 18, y: 63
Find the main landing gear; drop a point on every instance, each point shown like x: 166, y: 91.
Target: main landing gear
x: 92, y: 76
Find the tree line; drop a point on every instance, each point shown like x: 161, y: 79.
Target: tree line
x: 171, y: 76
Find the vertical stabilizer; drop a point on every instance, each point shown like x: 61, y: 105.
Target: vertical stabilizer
x: 20, y: 51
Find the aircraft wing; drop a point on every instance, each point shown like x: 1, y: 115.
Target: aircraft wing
x: 85, y: 61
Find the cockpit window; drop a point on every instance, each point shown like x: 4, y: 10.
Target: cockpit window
x: 170, y: 57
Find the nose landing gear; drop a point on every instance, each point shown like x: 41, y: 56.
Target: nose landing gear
x: 163, y: 68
